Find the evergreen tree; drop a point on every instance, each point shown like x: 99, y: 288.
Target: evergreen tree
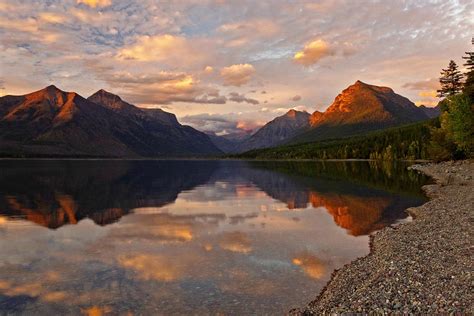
x: 450, y: 80
x: 469, y: 84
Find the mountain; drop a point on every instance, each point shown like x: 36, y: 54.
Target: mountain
x: 181, y: 139
x: 277, y: 131
x: 116, y: 104
x: 407, y: 142
x: 229, y: 143
x: 52, y: 122
x: 431, y: 112
x: 225, y: 144
x: 360, y: 108
x: 364, y: 103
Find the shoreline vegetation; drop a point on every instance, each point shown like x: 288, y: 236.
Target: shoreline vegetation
x: 422, y: 266
x: 210, y: 158
x: 447, y: 137
x: 407, y: 142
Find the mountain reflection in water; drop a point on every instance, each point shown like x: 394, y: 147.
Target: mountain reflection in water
x: 186, y: 236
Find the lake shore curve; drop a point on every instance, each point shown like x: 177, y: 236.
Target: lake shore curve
x: 423, y: 266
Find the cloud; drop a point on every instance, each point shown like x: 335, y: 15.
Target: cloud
x: 168, y: 49
x: 237, y: 75
x: 249, y: 125
x: 429, y: 103
x: 162, y: 95
x: 220, y: 99
x: 428, y: 84
x: 429, y: 98
x: 241, y: 33
x: 296, y: 98
x: 28, y: 25
x: 313, y: 52
x: 94, y: 18
x: 39, y: 39
x: 165, y: 228
x: 6, y: 6
x: 280, y: 110
x: 95, y: 3
x: 310, y: 264
x: 161, y: 77
x: 50, y: 17
x: 212, y: 123
x: 164, y: 87
x: 321, y: 6
x: 239, y: 219
x: 429, y: 93
x: 208, y: 70
x: 154, y: 48
x: 239, y: 98
x: 264, y: 27
x: 426, y: 90
x: 154, y: 267
x: 222, y: 124
x: 236, y: 242
x: 301, y: 108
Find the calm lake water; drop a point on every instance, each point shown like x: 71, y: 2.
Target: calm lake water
x: 180, y: 237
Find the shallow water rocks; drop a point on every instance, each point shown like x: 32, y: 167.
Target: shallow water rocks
x: 424, y: 266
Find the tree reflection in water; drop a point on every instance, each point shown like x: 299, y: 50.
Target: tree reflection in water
x: 186, y: 236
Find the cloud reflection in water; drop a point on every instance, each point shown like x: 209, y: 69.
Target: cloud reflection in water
x: 181, y: 237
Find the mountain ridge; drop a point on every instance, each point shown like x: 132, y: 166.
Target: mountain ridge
x: 55, y: 122
x: 277, y: 130
x: 52, y: 122
x: 431, y: 112
x: 359, y: 108
x: 116, y: 104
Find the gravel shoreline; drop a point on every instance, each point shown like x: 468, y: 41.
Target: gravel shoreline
x: 424, y: 266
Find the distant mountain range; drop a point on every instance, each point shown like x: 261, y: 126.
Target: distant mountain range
x: 431, y: 112
x: 357, y: 109
x: 51, y: 122
x: 277, y: 131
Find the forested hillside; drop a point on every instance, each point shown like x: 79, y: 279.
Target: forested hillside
x: 408, y: 142
x: 450, y: 136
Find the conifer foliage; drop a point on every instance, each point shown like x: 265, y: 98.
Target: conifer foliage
x: 469, y: 83
x: 450, y: 81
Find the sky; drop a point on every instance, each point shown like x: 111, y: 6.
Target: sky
x: 230, y: 66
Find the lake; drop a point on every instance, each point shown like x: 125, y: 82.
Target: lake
x: 177, y: 237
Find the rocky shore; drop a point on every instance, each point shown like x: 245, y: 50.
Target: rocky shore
x: 424, y: 266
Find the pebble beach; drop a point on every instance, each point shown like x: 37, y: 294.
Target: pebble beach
x: 424, y: 266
